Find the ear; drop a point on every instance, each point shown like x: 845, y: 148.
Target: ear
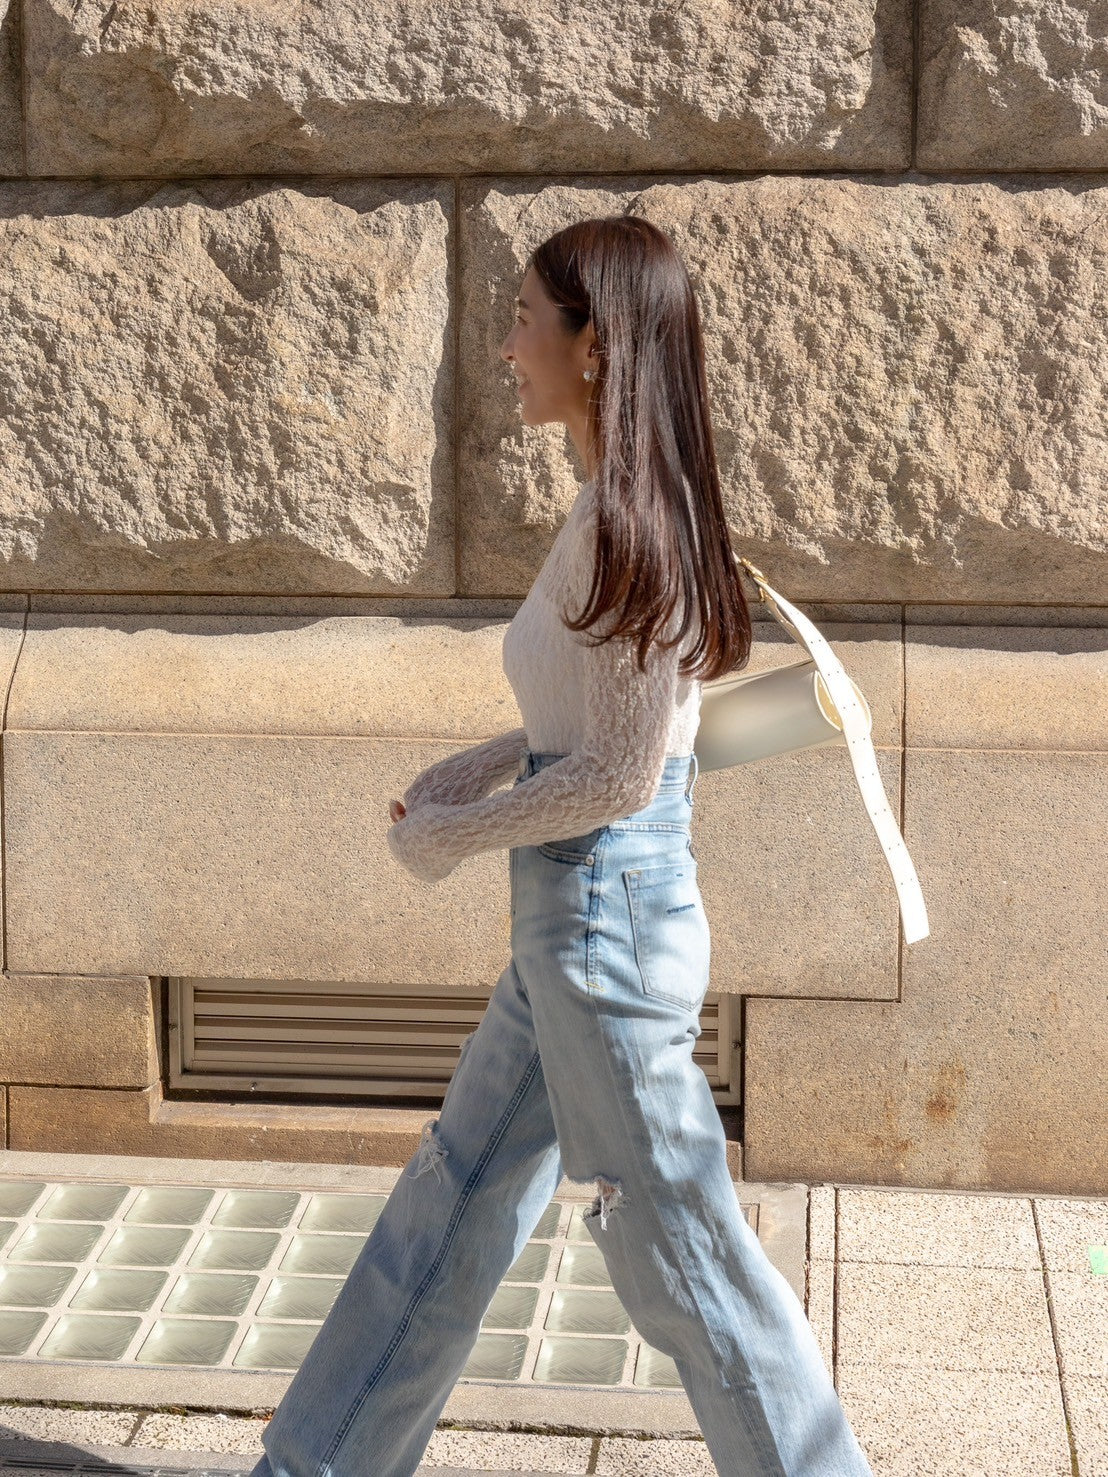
x: 589, y: 347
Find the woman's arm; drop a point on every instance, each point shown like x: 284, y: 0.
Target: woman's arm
x: 469, y: 775
x: 613, y: 771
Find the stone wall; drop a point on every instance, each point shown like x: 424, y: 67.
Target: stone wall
x: 266, y: 505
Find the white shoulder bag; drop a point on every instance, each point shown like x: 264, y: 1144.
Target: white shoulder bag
x: 745, y: 716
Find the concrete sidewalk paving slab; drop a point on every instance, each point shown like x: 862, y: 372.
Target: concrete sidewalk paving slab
x: 425, y: 1471
x: 149, y: 1386
x: 161, y: 1432
x: 450, y: 1454
x: 1080, y: 1303
x: 937, y: 1422
x: 56, y: 1423
x: 622, y: 1457
x: 820, y: 1308
x: 509, y: 1451
x: 1069, y: 1230
x: 577, y: 1409
x: 1087, y: 1406
x: 821, y: 1223
x: 485, y: 1450
x: 954, y: 1318
x: 921, y: 1228
x: 58, y: 1456
x: 90, y: 1460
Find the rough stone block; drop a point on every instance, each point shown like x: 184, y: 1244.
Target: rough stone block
x: 12, y: 622
x: 1008, y: 85
x: 11, y: 109
x: 81, y: 1032
x: 1080, y: 617
x: 227, y: 385
x: 907, y: 384
x: 12, y: 625
x: 264, y: 857
x: 476, y: 85
x: 12, y: 628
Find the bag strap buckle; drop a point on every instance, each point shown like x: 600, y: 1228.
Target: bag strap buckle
x: 756, y: 573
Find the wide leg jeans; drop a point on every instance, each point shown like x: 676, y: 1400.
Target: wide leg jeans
x: 582, y: 1065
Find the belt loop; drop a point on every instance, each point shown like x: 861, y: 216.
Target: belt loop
x: 694, y: 770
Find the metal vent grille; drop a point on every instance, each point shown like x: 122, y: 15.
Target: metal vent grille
x: 320, y: 1038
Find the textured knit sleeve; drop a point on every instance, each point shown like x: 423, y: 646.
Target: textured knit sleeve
x: 614, y: 770
x: 469, y: 775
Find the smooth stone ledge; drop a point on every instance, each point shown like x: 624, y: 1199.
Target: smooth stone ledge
x: 410, y: 677
x: 269, y: 1174
x: 106, y: 1122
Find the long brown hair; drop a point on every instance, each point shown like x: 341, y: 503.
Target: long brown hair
x: 662, y: 535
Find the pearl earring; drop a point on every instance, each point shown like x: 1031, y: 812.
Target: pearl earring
x: 589, y: 373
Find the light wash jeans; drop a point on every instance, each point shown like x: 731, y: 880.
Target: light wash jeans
x: 582, y: 1064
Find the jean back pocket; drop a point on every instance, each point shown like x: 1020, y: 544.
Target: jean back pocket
x: 670, y: 928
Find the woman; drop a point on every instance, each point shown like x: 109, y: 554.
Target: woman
x: 583, y: 1061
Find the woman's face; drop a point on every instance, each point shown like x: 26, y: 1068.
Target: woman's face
x: 548, y: 362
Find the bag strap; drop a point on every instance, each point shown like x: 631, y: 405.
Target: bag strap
x: 859, y: 745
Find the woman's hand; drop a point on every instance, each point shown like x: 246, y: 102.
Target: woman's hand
x: 410, y: 844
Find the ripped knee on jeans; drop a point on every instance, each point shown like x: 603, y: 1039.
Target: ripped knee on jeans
x: 609, y: 1194
x: 431, y: 1151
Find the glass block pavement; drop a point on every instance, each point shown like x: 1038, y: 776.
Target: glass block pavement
x: 243, y: 1278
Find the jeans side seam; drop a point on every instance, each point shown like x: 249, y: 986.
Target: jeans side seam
x: 592, y: 928
x: 772, y: 1453
x: 448, y: 1239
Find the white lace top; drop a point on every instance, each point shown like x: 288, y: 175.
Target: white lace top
x: 614, y: 724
